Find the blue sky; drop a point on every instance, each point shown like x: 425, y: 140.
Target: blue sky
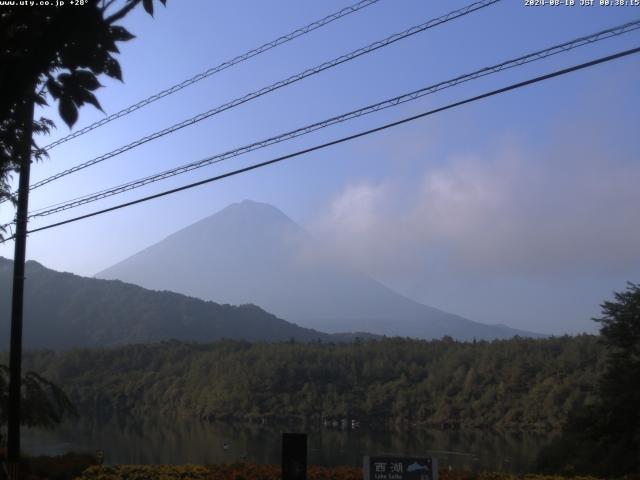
x: 520, y: 209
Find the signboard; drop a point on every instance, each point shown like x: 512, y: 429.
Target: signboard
x: 400, y: 468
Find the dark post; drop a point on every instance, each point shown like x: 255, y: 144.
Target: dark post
x: 15, y: 356
x: 294, y: 456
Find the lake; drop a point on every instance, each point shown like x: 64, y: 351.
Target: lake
x: 185, y: 440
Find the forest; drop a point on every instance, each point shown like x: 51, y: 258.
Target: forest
x: 517, y: 384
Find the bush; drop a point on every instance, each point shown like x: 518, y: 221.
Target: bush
x: 63, y: 467
x: 252, y: 471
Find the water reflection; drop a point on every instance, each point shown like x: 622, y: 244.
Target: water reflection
x: 185, y: 440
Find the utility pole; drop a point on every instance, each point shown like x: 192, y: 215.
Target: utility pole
x: 17, y: 299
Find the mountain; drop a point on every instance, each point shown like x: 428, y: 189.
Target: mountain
x: 253, y: 253
x: 62, y: 310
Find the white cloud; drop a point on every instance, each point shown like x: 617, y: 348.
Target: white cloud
x: 508, y: 212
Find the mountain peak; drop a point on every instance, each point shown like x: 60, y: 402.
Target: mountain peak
x: 248, y: 212
x: 252, y: 204
x: 8, y: 262
x: 251, y: 252
x: 255, y: 208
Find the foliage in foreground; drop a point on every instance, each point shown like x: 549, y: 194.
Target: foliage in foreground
x: 266, y: 472
x: 44, y: 404
x: 63, y: 467
x: 604, y: 437
x: 55, y: 54
x: 511, y: 384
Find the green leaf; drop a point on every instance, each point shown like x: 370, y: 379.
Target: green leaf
x: 68, y: 111
x: 148, y: 6
x: 64, y: 78
x: 98, y: 60
x: 86, y: 79
x: 87, y: 97
x: 120, y: 34
x: 40, y: 100
x: 112, y: 68
x: 73, y: 55
x: 55, y: 89
x: 110, y: 46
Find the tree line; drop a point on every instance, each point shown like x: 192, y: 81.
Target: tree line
x: 524, y: 384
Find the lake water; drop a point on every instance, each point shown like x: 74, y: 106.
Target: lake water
x: 180, y: 440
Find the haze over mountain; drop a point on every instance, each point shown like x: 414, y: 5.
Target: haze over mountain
x: 253, y: 253
x: 62, y: 310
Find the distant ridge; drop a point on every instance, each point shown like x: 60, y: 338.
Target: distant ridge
x: 63, y: 311
x: 251, y: 252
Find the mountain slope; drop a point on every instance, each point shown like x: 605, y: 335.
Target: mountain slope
x: 252, y: 252
x: 63, y: 310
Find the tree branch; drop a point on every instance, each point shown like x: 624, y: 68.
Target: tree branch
x: 106, y: 6
x: 122, y: 12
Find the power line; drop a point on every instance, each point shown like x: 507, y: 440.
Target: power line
x: 522, y: 60
x: 217, y: 69
x: 514, y: 86
x: 282, y: 83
